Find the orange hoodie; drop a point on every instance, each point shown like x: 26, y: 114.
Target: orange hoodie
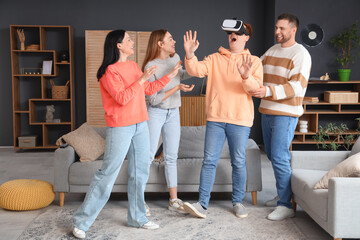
x: 123, y: 97
x: 227, y: 97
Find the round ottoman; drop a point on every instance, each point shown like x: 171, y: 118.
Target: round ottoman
x: 26, y: 194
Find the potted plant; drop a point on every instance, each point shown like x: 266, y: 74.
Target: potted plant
x: 333, y: 137
x: 346, y: 42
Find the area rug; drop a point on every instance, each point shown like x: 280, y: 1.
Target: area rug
x: 220, y: 223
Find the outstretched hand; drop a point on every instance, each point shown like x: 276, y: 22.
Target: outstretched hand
x: 245, y: 67
x: 175, y: 70
x: 147, y: 74
x: 190, y: 43
x: 186, y: 88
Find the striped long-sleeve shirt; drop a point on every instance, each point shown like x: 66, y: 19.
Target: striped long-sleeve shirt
x: 286, y: 74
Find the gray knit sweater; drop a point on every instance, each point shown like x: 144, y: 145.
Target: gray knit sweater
x: 165, y: 67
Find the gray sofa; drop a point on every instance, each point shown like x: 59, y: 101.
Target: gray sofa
x: 73, y: 176
x: 337, y: 209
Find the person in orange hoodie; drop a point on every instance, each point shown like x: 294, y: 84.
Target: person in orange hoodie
x: 231, y: 74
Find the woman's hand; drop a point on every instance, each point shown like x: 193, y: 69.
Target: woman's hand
x: 175, y: 70
x: 190, y: 44
x: 245, y: 67
x: 186, y: 88
x: 147, y: 74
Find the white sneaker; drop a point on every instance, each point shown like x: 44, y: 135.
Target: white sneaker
x: 79, y: 233
x: 280, y: 213
x: 150, y: 225
x: 272, y: 202
x: 148, y: 212
x: 177, y: 206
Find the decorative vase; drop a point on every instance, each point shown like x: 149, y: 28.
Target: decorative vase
x: 344, y: 74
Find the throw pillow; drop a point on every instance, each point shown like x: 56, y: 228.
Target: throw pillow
x: 350, y: 167
x: 356, y: 147
x: 88, y: 144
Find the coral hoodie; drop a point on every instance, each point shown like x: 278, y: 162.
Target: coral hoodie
x: 227, y: 97
x: 123, y: 97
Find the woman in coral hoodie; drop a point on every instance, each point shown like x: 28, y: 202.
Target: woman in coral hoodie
x: 231, y: 74
x: 123, y: 87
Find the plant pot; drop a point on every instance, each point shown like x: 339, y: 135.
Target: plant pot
x: 344, y: 74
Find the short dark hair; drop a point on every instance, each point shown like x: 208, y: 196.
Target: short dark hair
x: 291, y: 18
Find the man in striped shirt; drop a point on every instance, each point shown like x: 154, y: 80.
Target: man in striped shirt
x: 286, y: 72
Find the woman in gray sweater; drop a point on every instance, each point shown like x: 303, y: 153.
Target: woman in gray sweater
x: 163, y: 108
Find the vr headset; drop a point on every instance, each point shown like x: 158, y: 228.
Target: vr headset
x: 234, y: 26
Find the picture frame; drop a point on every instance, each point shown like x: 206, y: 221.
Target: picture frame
x: 47, y: 67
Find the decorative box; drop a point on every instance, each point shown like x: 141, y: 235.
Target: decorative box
x: 27, y: 141
x: 341, y: 97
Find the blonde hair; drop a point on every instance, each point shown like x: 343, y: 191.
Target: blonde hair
x: 153, y: 48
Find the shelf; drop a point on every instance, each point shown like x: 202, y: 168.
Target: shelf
x: 307, y: 133
x: 37, y: 147
x: 31, y: 97
x: 48, y: 123
x: 327, y: 103
x: 334, y: 82
x: 21, y: 111
x: 322, y: 113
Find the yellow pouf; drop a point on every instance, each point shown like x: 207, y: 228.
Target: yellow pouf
x: 26, y: 194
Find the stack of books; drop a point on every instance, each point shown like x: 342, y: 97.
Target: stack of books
x: 311, y: 100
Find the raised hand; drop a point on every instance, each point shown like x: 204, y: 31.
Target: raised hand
x: 186, y: 88
x: 245, y: 67
x: 175, y: 70
x: 190, y: 43
x: 147, y: 74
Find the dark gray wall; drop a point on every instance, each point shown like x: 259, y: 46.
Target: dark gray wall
x: 176, y: 16
x: 333, y: 17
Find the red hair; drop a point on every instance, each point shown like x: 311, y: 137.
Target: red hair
x: 153, y: 48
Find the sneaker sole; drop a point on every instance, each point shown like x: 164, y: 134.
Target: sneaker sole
x: 150, y: 228
x: 280, y: 219
x: 190, y: 209
x: 177, y: 210
x: 241, y: 216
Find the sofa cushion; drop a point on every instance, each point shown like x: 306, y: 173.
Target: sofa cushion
x: 88, y: 144
x: 302, y: 185
x: 82, y: 173
x: 350, y: 167
x: 189, y: 171
x: 356, y: 148
x: 192, y: 143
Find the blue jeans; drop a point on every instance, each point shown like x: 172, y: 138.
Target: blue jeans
x: 215, y: 135
x: 278, y: 132
x: 133, y: 140
x: 166, y: 122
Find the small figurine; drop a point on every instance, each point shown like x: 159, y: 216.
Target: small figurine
x: 21, y: 36
x: 325, y: 77
x: 50, y: 109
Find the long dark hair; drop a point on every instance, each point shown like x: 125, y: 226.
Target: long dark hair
x: 111, y: 52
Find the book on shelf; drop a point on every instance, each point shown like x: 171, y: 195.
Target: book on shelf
x: 311, y: 100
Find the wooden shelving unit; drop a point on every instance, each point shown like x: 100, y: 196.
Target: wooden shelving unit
x: 32, y: 90
x: 321, y: 113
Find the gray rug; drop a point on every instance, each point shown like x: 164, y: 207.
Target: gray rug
x: 219, y: 224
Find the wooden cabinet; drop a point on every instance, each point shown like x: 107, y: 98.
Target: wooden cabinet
x: 322, y: 113
x: 31, y: 88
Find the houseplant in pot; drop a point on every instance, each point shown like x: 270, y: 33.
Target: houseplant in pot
x: 346, y: 43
